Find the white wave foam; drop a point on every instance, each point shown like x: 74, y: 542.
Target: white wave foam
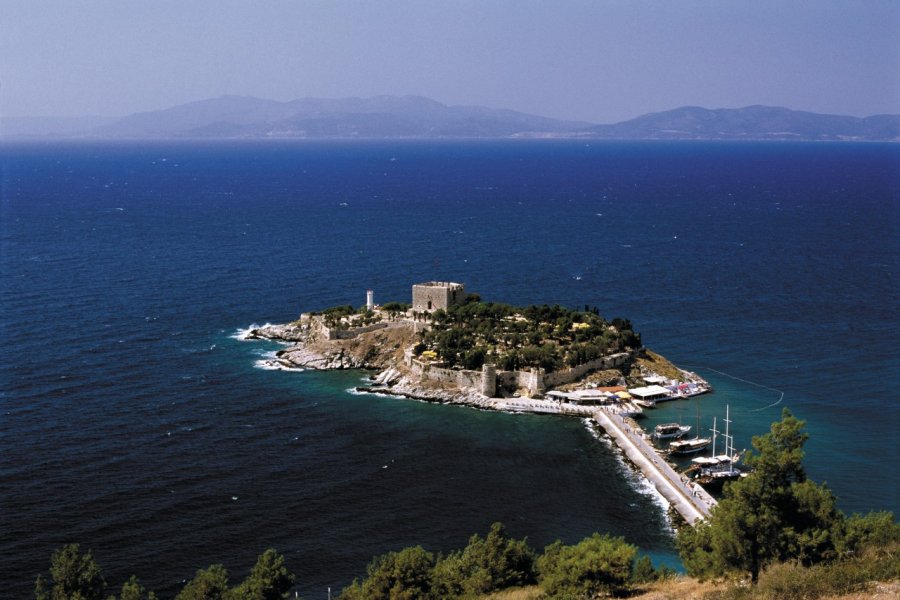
x: 241, y: 334
x: 270, y: 364
x: 356, y: 392
x: 596, y: 433
x: 638, y: 481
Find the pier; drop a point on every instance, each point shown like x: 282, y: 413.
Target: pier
x: 691, y: 501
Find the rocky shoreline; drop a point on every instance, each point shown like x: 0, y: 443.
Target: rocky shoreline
x: 382, y: 351
x: 308, y: 353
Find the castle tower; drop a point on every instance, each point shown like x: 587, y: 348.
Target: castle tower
x: 488, y: 380
x: 536, y: 382
x: 370, y: 300
x: 433, y: 295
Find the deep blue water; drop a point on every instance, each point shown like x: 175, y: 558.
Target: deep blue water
x: 135, y: 423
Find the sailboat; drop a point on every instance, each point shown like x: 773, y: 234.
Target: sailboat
x: 715, y: 470
x: 691, y: 446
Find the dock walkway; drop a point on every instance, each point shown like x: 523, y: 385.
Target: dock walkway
x: 690, y: 500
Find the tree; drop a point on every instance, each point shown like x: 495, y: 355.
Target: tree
x: 404, y: 575
x: 644, y: 571
x: 486, y: 564
x: 597, y: 565
x: 133, y: 590
x: 772, y: 515
x: 73, y: 576
x: 207, y: 584
x: 874, y: 529
x: 268, y: 580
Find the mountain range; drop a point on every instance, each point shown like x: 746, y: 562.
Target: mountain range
x: 383, y: 117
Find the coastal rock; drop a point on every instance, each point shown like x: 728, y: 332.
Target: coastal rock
x: 392, y: 382
x: 304, y: 356
x: 279, y: 333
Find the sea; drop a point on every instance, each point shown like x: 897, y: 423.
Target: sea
x: 136, y: 421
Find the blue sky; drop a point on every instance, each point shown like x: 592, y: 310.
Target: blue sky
x: 601, y: 61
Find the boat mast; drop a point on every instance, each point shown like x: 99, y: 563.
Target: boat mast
x: 729, y: 443
x: 715, y: 432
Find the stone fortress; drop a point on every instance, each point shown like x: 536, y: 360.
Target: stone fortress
x: 434, y: 295
x: 427, y: 298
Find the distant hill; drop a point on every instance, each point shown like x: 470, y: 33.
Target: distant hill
x: 377, y: 117
x: 750, y: 123
x: 383, y: 117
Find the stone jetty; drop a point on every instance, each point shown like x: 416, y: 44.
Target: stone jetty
x: 687, y: 498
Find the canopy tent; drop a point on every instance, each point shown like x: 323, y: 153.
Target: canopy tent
x: 650, y: 392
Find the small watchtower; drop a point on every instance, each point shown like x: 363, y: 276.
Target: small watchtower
x: 433, y: 295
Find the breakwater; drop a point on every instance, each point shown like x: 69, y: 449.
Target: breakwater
x: 687, y: 498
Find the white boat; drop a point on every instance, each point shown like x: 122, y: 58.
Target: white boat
x: 691, y: 446
x: 666, y: 431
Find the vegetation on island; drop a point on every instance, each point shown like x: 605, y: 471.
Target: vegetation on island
x: 514, y: 338
x: 775, y: 529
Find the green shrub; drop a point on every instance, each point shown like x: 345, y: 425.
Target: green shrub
x: 600, y: 564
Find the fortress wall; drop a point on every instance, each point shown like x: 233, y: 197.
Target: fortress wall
x: 346, y: 334
x: 569, y: 375
x: 461, y: 379
x: 535, y: 382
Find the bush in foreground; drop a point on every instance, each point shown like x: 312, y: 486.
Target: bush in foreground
x: 77, y: 576
x: 486, y: 564
x: 600, y: 564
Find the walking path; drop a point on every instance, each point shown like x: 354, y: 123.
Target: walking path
x: 690, y: 500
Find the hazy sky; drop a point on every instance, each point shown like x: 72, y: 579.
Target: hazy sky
x: 600, y: 61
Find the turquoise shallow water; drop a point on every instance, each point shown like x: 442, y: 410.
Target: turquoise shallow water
x: 133, y: 422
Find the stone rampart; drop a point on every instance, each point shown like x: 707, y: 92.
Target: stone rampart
x: 575, y: 373
x: 462, y: 379
x: 334, y: 333
x: 534, y: 382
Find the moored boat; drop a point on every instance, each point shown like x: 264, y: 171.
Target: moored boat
x: 665, y: 431
x: 715, y: 470
x: 691, y: 446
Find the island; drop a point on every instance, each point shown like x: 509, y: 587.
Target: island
x: 450, y: 346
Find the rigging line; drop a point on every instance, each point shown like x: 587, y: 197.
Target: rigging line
x: 759, y: 385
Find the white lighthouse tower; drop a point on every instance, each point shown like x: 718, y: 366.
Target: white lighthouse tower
x: 370, y: 300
